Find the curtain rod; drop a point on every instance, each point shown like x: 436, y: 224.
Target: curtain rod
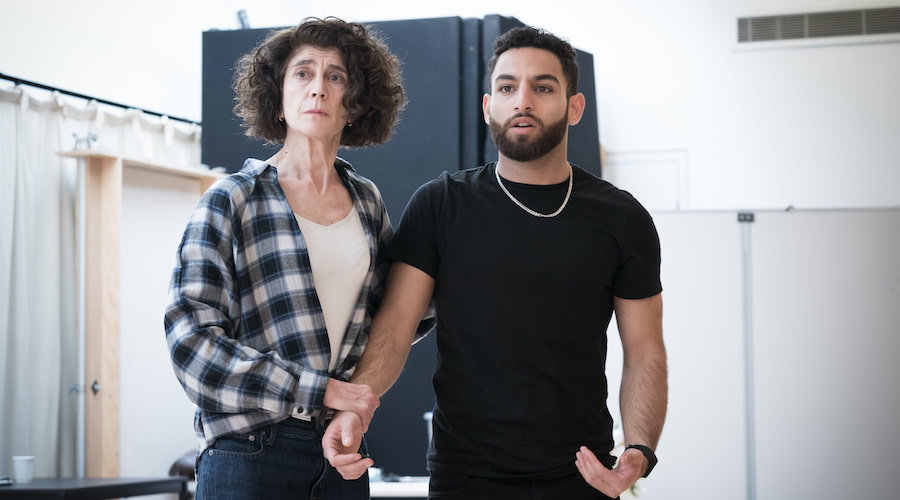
x: 19, y: 81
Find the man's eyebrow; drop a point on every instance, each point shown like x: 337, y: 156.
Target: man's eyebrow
x: 547, y: 76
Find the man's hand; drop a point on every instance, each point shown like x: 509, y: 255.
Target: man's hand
x: 358, y: 398
x: 610, y: 482
x: 340, y: 445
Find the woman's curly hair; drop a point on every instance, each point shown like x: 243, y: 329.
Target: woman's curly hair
x: 374, y: 98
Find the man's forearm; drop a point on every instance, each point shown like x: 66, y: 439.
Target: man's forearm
x: 383, y: 360
x: 408, y: 293
x: 643, y: 398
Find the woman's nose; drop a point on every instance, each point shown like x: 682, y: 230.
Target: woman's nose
x: 318, y: 89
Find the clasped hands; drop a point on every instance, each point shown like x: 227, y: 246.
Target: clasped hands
x: 355, y: 405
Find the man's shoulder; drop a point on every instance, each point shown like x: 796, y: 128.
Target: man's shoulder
x: 602, y: 188
x: 466, y: 175
x: 458, y: 179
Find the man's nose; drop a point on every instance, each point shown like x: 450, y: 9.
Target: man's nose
x: 523, y: 101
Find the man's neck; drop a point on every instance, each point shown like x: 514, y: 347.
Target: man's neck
x: 549, y: 169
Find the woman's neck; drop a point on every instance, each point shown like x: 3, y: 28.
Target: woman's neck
x: 306, y: 160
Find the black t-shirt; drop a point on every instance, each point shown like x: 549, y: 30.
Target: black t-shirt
x: 523, y: 304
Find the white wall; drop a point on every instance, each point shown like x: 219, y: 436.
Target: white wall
x: 826, y: 285
x: 155, y: 415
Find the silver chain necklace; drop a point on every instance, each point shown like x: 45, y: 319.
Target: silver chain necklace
x: 532, y: 212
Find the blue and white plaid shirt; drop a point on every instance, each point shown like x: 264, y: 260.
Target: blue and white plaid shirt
x: 244, y: 324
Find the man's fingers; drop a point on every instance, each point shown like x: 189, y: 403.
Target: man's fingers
x: 593, y: 471
x: 331, y: 452
x: 366, y: 404
x: 352, y: 466
x: 358, y: 398
x: 344, y: 459
x: 340, y: 445
x: 347, y: 436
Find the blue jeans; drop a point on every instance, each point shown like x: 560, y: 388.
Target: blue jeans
x: 280, y: 461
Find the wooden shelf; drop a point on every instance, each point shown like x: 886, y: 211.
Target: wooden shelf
x: 206, y: 177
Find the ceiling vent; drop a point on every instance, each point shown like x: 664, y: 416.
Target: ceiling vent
x: 819, y: 25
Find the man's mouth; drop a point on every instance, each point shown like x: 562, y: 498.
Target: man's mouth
x: 522, y: 121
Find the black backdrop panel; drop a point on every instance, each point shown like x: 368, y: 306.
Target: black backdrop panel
x: 427, y: 140
x: 584, y: 147
x: 441, y: 129
x: 223, y: 143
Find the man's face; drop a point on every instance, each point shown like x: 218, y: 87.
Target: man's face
x: 527, y: 110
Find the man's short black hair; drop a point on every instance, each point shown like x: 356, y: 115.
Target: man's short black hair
x: 527, y: 36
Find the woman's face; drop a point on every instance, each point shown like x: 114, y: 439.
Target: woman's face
x: 313, y: 93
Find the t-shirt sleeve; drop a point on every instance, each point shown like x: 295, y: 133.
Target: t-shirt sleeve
x: 637, y: 276
x: 415, y: 241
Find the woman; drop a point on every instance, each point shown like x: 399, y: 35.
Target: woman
x: 281, y: 268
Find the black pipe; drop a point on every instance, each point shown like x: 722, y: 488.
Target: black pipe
x: 19, y: 81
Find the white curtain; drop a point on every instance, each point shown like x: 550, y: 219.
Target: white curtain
x: 38, y: 261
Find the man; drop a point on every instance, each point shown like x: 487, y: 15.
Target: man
x: 525, y: 260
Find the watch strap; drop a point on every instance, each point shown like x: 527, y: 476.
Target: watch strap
x: 651, y: 457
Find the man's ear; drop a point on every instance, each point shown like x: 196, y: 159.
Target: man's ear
x: 576, y: 108
x: 486, y: 108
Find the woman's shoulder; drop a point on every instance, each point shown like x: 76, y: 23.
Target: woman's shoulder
x: 363, y: 190
x: 238, y: 185
x: 360, y: 182
x: 347, y: 172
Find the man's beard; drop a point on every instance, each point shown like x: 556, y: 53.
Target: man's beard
x: 520, y: 148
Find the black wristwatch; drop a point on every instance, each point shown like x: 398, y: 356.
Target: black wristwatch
x: 651, y: 457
